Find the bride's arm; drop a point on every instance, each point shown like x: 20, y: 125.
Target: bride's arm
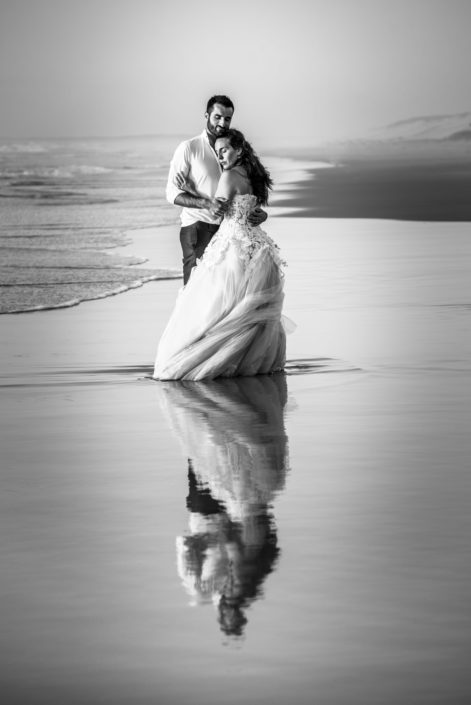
x: 226, y: 189
x: 190, y: 198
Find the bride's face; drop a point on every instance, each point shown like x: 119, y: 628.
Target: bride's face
x: 227, y: 155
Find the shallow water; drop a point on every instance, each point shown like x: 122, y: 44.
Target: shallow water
x: 301, y: 537
x: 298, y: 538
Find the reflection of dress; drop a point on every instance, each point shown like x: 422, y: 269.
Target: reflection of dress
x: 227, y: 320
x: 233, y: 431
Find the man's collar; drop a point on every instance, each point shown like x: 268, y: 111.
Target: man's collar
x: 205, y: 136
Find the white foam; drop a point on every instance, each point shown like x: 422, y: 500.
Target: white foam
x: 22, y: 147
x: 137, y: 283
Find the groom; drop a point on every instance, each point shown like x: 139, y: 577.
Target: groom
x: 196, y: 161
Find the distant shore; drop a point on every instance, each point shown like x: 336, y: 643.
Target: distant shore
x: 395, y: 181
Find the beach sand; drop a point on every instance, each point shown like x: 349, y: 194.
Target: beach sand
x: 368, y: 599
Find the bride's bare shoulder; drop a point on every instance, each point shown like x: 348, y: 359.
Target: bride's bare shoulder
x: 238, y: 172
x: 233, y: 182
x: 239, y: 180
x: 226, y: 186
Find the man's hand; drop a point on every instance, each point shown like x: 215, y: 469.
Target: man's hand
x: 216, y: 207
x: 257, y: 216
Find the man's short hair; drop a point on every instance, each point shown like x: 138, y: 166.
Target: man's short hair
x: 222, y: 100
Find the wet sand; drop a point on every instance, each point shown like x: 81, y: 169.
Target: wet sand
x: 402, y: 181
x: 334, y: 499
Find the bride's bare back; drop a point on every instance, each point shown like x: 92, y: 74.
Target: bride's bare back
x: 233, y: 182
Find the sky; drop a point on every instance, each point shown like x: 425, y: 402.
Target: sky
x: 298, y: 71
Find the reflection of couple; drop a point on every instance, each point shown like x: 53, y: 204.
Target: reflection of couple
x: 227, y: 318
x: 232, y: 430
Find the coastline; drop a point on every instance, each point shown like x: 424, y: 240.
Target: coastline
x: 380, y: 192
x: 416, y: 182
x: 428, y: 181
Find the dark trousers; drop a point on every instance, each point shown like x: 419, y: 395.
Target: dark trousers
x: 194, y: 239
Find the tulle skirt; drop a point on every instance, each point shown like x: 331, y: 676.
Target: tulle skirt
x: 227, y: 320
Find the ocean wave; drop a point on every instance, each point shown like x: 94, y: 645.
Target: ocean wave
x: 22, y: 148
x: 61, y: 299
x: 78, y: 169
x: 54, y: 172
x: 42, y: 196
x: 18, y: 261
x: 29, y: 182
x: 63, y: 203
x: 48, y: 237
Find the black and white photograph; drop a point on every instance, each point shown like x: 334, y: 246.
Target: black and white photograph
x: 235, y: 352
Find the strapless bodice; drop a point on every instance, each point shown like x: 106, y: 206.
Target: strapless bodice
x: 240, y: 208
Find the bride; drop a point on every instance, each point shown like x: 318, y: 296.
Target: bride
x: 227, y: 320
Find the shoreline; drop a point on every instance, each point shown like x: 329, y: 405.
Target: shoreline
x: 98, y: 333
x: 405, y: 181
x: 385, y: 183
x: 375, y: 193
x: 156, y: 263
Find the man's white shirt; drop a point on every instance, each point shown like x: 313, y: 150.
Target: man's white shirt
x: 197, y: 159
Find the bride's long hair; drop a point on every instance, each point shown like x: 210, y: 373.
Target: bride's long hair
x: 259, y: 177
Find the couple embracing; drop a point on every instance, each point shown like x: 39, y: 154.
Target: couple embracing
x: 227, y: 319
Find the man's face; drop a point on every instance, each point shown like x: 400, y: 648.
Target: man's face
x: 218, y: 120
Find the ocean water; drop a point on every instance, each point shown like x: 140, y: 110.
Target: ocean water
x: 66, y: 205
x: 301, y: 538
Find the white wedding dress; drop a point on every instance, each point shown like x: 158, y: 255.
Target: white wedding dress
x: 227, y: 320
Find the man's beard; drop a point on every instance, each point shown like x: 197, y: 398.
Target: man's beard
x: 216, y: 131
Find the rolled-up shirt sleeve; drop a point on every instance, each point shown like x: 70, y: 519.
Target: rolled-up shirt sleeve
x: 180, y: 164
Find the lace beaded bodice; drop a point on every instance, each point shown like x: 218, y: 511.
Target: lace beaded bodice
x: 236, y: 231
x: 240, y: 209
